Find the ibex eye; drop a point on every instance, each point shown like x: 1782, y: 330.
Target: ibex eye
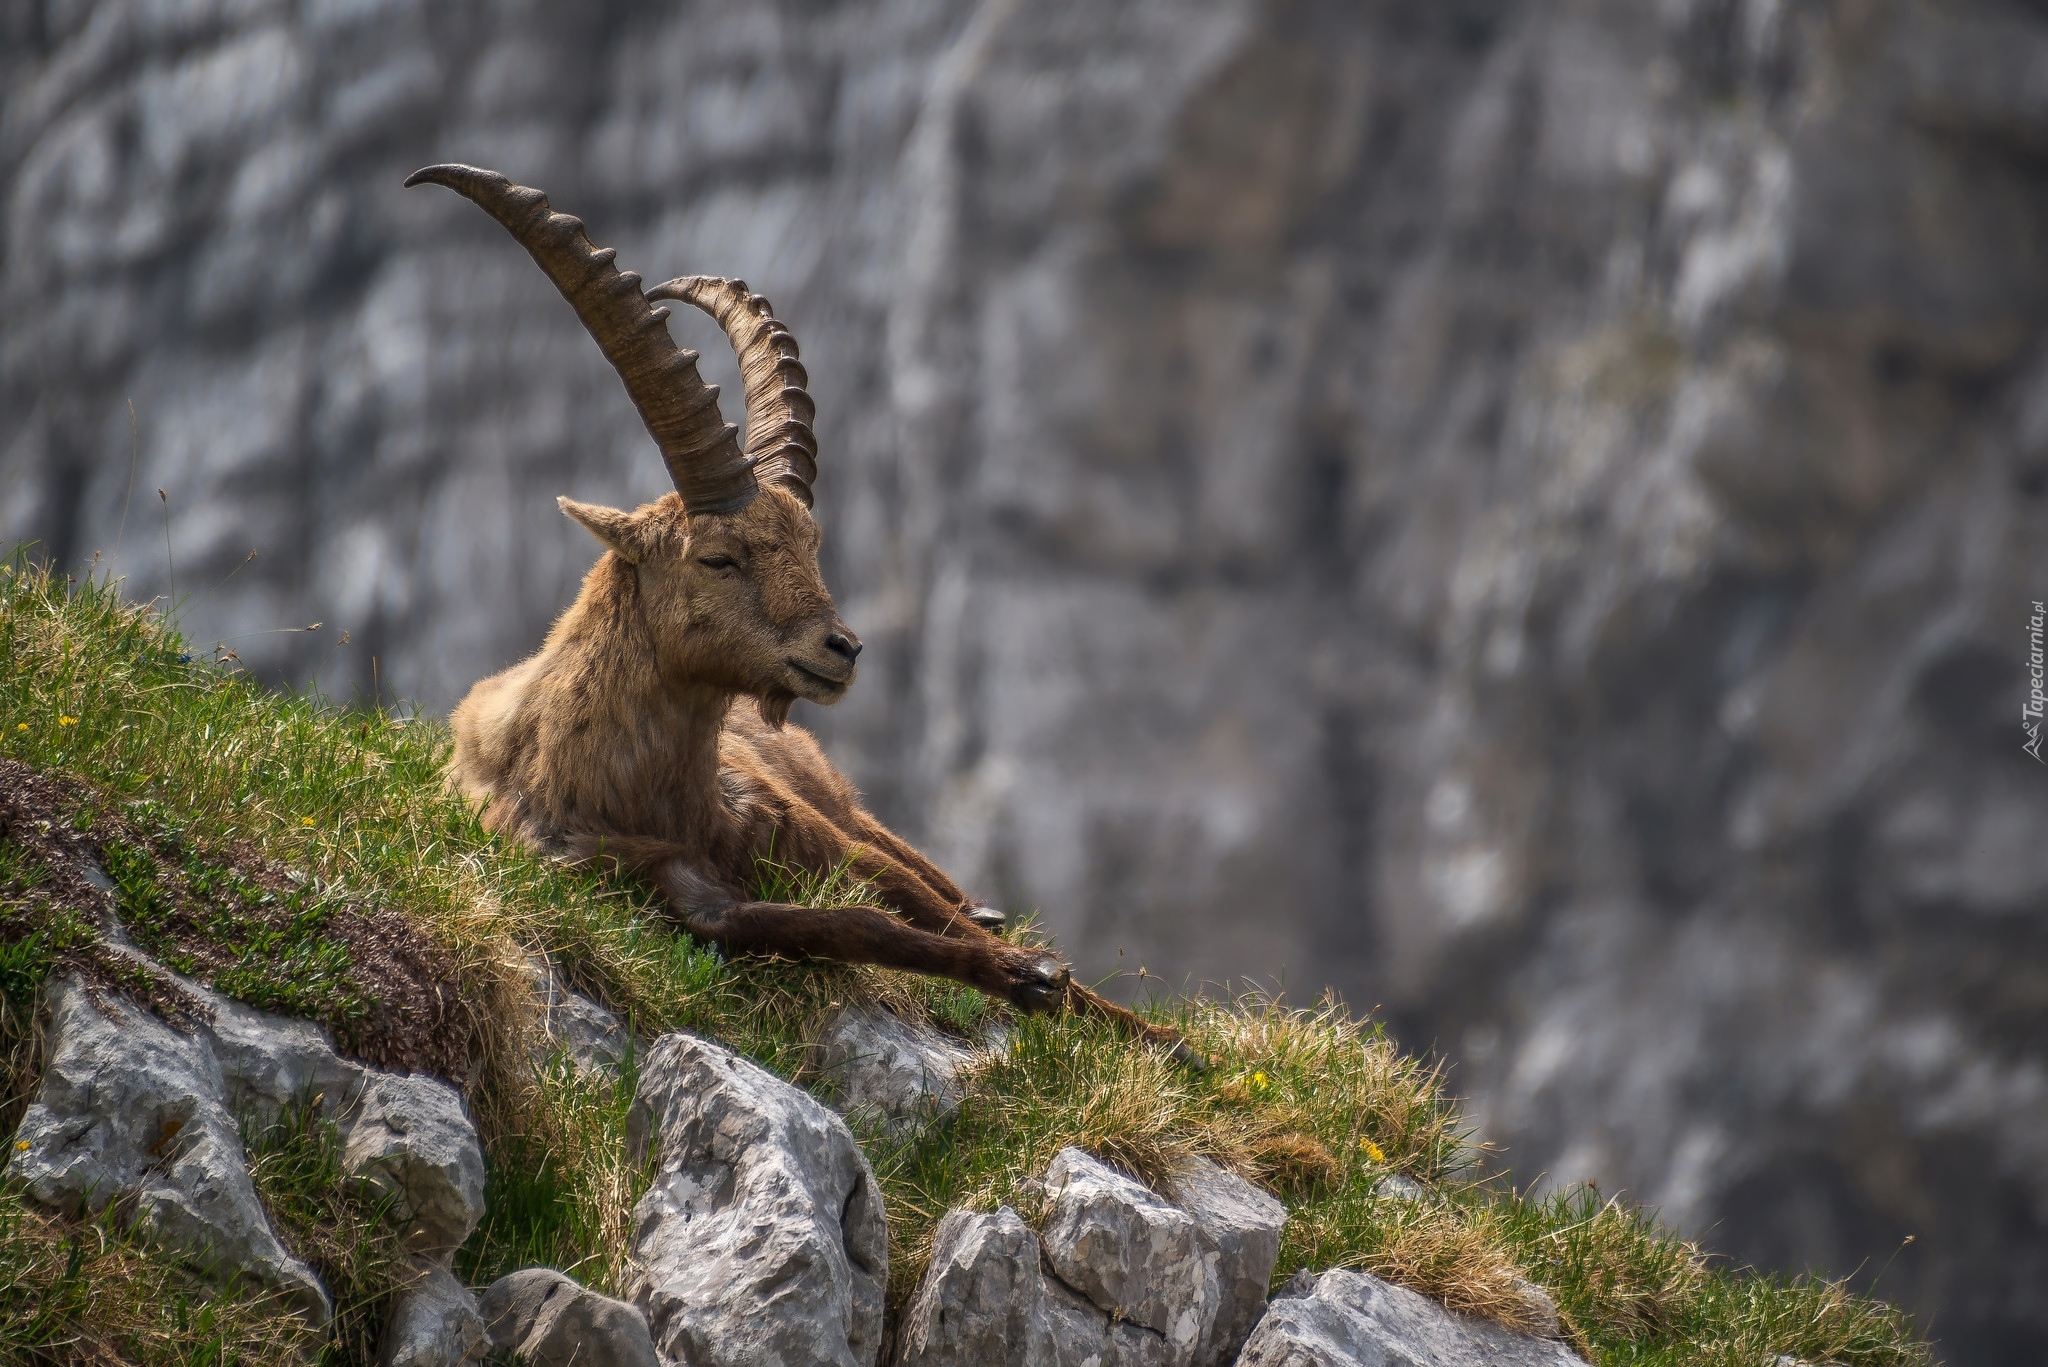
x: 715, y: 562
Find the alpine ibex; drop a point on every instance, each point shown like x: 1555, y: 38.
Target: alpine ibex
x: 651, y: 727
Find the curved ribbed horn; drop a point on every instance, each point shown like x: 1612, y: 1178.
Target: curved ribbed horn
x: 680, y: 410
x: 779, y: 411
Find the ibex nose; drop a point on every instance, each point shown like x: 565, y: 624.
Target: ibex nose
x: 844, y: 643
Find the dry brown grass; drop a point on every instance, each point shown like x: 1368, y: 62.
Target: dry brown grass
x: 1450, y: 1254
x: 1323, y: 1108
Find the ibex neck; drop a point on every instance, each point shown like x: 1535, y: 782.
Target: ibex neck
x: 653, y: 741
x: 587, y: 737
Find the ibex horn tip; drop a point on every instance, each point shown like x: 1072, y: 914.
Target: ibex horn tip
x: 451, y: 174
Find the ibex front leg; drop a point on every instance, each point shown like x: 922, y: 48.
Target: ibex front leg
x: 1028, y: 979
x: 927, y: 898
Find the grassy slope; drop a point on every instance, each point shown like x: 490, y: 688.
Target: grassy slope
x: 1316, y: 1106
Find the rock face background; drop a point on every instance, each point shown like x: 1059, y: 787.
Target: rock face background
x: 1526, y: 513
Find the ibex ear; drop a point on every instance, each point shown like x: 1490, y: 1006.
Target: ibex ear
x: 615, y: 528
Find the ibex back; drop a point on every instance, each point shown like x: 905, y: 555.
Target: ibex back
x: 650, y: 728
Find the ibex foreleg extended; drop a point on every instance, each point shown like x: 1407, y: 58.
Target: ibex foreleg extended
x: 862, y: 935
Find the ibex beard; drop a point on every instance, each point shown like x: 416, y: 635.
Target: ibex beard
x: 650, y: 729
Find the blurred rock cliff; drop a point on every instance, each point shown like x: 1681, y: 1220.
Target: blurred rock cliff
x: 1526, y: 513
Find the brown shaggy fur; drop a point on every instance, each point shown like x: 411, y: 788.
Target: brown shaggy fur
x: 650, y: 729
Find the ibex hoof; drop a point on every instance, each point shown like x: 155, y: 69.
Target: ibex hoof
x: 1039, y: 984
x: 988, y: 918
x: 1184, y: 1054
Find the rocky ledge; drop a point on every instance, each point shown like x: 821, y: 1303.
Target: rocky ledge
x: 761, y: 1238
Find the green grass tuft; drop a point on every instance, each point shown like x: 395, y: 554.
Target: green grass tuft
x: 283, y: 961
x: 325, y: 1220
x: 557, y: 1195
x: 220, y: 774
x: 90, y: 1292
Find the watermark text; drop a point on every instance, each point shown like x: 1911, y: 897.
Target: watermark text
x: 2037, y: 698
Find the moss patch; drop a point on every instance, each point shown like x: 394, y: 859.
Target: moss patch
x: 219, y: 912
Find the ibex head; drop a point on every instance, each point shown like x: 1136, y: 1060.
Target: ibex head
x: 726, y: 568
x: 734, y: 599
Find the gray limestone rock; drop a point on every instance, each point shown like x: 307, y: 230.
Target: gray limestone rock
x: 1400, y: 1186
x: 1239, y: 1227
x: 1352, y: 1319
x: 1542, y: 1306
x: 883, y: 1070
x: 405, y: 1134
x: 123, y: 1091
x: 982, y: 1299
x: 1302, y: 1283
x: 408, y: 1137
x: 1086, y: 1335
x: 131, y: 1109
x: 549, y: 1320
x: 986, y: 1298
x: 433, y: 1322
x: 1130, y: 1252
x: 761, y: 1238
x: 591, y: 1034
x: 269, y: 1062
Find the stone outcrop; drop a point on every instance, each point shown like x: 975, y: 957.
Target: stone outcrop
x: 132, y: 1110
x: 761, y: 1237
x: 548, y: 1320
x: 433, y: 1322
x: 1353, y: 1319
x: 1134, y: 1255
x: 409, y: 1139
x: 270, y: 1062
x: 1399, y: 1186
x: 1129, y: 1279
x: 1239, y: 1228
x: 882, y: 1070
x: 405, y: 1136
x: 589, y: 1033
x: 982, y: 1299
x: 1084, y: 1333
x: 1543, y: 501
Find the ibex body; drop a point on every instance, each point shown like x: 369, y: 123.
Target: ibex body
x: 651, y: 726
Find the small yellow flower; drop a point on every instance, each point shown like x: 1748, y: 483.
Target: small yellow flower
x: 1259, y: 1080
x: 1372, y: 1151
x: 305, y: 821
x: 21, y: 726
x: 21, y: 1146
x: 67, y: 721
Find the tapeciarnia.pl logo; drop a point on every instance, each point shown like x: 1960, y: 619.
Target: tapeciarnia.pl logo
x: 2037, y: 700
